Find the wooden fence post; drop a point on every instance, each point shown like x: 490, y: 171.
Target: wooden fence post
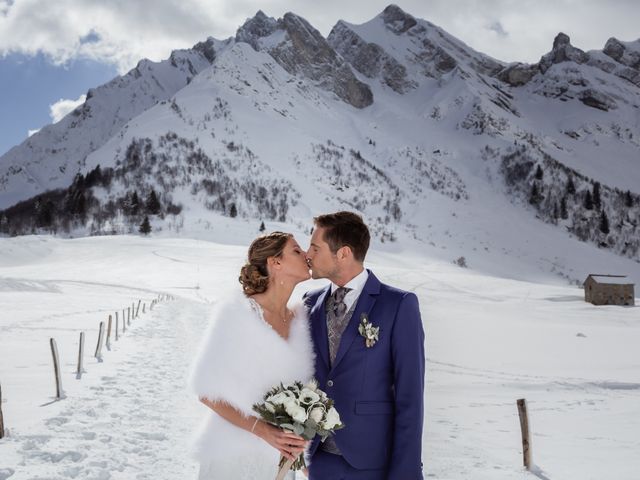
x: 143, y: 306
x: 56, y: 369
x: 108, y: 343
x: 138, y: 309
x: 129, y: 315
x: 1, y: 417
x: 124, y: 324
x: 133, y: 310
x: 524, y: 427
x: 80, y: 357
x: 99, y: 345
x: 117, y: 328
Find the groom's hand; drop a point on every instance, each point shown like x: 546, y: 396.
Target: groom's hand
x: 287, y: 443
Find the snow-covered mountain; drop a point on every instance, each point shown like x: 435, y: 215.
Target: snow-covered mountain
x: 437, y: 145
x: 52, y: 157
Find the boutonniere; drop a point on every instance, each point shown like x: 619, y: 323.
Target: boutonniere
x: 368, y: 331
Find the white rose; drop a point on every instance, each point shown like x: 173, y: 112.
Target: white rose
x: 278, y: 398
x: 298, y: 413
x: 316, y: 414
x: 289, y: 403
x: 332, y: 420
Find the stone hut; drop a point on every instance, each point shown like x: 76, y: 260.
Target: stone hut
x: 608, y: 290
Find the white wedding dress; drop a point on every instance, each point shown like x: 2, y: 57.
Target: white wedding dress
x: 241, y: 357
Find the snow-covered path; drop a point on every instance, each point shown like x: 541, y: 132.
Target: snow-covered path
x: 133, y: 419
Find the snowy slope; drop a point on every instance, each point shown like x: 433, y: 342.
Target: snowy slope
x: 489, y: 341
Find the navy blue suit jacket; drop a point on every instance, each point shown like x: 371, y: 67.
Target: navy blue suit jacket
x: 378, y: 391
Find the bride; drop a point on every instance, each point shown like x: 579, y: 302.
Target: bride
x: 253, y: 343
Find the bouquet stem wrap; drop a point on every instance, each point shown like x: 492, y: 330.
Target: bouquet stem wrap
x: 285, y: 465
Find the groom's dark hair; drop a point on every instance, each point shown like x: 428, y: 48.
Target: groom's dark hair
x: 345, y: 229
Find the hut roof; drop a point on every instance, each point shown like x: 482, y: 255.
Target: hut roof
x: 611, y: 279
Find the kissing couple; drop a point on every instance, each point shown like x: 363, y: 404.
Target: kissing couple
x: 362, y: 341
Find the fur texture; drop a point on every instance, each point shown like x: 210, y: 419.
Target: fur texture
x: 240, y: 359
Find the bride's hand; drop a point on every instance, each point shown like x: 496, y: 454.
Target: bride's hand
x: 288, y: 444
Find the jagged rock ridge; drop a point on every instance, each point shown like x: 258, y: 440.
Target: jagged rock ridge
x: 449, y: 130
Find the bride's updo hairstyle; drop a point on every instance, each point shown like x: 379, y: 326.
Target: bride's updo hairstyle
x: 254, y: 275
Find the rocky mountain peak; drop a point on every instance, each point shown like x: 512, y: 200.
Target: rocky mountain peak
x: 623, y: 52
x: 307, y: 40
x: 255, y: 28
x: 562, y: 39
x: 562, y: 51
x: 614, y: 48
x: 369, y: 58
x: 207, y: 48
x: 397, y: 20
x: 302, y: 50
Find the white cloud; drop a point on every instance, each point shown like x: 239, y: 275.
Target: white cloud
x: 31, y: 132
x: 63, y: 106
x: 121, y: 32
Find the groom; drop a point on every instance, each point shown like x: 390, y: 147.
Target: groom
x: 377, y: 384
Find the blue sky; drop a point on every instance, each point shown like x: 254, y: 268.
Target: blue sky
x: 53, y: 50
x: 30, y: 84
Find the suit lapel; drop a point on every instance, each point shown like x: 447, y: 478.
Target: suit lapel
x: 366, y: 301
x: 319, y: 326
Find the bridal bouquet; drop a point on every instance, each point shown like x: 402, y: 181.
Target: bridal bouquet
x: 302, y: 409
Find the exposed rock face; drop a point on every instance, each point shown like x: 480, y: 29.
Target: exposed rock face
x: 562, y: 51
x: 618, y: 58
x: 518, y: 74
x: 627, y: 54
x: 595, y: 99
x: 622, y: 53
x: 369, y: 58
x: 435, y: 56
x: 255, y: 28
x: 411, y: 51
x: 434, y: 59
x: 207, y: 49
x: 397, y: 20
x: 615, y: 49
x: 433, y: 49
x: 304, y: 51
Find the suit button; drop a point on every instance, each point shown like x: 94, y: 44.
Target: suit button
x: 330, y: 383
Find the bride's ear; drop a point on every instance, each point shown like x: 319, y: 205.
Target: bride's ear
x: 274, y: 263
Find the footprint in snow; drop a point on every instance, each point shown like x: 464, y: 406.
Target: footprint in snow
x: 56, y: 421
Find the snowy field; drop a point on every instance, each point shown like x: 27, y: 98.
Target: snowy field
x: 489, y: 342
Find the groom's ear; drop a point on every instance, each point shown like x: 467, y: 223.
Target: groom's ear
x: 344, y: 252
